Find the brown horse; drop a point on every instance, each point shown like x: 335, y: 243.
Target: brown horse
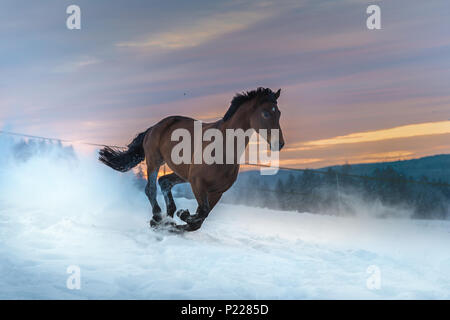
x: 255, y: 110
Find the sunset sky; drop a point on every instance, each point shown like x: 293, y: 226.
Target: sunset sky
x: 349, y: 94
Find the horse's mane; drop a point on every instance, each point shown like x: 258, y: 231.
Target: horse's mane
x: 240, y: 98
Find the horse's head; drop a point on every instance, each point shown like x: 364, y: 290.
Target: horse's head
x: 266, y: 115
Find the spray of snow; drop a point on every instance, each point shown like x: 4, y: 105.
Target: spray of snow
x: 60, y: 208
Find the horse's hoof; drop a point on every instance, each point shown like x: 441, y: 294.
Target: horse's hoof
x: 154, y: 223
x: 192, y: 225
x: 183, y: 214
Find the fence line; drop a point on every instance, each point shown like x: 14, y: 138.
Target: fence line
x: 57, y: 139
x: 436, y: 184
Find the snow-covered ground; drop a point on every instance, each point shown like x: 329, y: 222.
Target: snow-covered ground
x: 58, y: 211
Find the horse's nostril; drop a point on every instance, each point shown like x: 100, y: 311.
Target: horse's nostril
x: 281, y: 145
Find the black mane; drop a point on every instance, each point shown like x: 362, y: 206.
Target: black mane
x: 240, y: 98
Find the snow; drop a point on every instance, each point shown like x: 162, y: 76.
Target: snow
x: 58, y: 211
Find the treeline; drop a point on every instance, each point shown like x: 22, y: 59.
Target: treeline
x: 385, y: 192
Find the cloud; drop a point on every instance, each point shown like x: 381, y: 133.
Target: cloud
x: 76, y: 64
x: 203, y: 30
x: 407, y: 131
x: 382, y: 156
x: 299, y: 161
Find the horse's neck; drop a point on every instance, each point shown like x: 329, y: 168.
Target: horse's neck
x: 239, y: 120
x: 234, y: 124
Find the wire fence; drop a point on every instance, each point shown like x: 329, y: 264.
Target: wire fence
x: 315, y: 171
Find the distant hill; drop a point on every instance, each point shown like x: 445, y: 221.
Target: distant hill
x: 433, y: 167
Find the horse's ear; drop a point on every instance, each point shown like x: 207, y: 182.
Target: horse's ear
x: 277, y: 94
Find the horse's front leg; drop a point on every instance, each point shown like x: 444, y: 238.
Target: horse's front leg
x: 207, y: 203
x: 195, y: 222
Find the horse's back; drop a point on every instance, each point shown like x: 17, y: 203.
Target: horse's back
x: 158, y: 143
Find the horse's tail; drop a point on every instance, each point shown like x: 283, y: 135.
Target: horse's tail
x: 124, y: 160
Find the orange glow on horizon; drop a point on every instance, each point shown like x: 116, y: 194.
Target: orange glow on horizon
x: 406, y: 131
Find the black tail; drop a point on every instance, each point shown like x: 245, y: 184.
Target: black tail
x: 124, y: 160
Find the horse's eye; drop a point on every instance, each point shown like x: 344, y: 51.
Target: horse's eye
x: 266, y: 114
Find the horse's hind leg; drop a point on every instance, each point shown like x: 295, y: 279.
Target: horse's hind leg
x: 150, y: 191
x: 166, y: 183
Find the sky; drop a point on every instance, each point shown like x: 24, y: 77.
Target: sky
x: 349, y: 94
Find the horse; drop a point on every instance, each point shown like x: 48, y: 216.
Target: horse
x: 257, y: 109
